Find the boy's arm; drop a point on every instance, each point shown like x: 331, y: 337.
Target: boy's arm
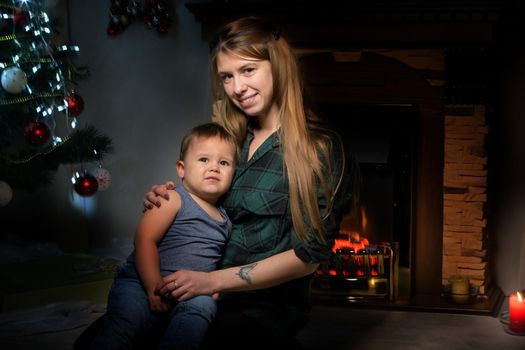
x: 150, y: 230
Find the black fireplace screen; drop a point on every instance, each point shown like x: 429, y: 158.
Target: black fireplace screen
x: 375, y: 238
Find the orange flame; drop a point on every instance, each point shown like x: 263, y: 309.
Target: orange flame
x: 364, y: 219
x: 354, y: 241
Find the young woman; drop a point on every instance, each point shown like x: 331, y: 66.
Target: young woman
x: 286, y: 200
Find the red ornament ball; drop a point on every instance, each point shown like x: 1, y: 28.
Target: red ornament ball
x: 37, y: 133
x: 75, y: 104
x: 112, y: 30
x: 162, y: 27
x: 20, y: 17
x: 86, y: 185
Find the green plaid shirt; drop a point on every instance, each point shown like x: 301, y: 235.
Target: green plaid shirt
x: 258, y: 206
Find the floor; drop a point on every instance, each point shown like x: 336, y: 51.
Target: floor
x: 363, y: 329
x: 331, y: 327
x: 38, y: 321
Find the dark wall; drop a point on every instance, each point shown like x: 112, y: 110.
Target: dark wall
x: 507, y: 146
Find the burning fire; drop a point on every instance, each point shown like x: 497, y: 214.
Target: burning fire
x: 353, y: 250
x: 354, y: 241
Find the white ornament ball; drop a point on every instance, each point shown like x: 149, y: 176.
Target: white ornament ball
x: 6, y: 194
x: 13, y: 80
x: 103, y: 178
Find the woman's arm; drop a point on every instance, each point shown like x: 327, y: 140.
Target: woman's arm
x: 266, y: 273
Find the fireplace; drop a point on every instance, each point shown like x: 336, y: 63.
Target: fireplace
x: 409, y: 70
x: 359, y: 270
x: 422, y: 160
x: 390, y: 114
x: 375, y: 236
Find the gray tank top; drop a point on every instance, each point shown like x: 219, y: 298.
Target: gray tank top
x: 195, y: 240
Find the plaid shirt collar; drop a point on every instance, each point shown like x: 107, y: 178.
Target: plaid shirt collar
x: 270, y: 143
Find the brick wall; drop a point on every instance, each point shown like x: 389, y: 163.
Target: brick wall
x: 464, y: 195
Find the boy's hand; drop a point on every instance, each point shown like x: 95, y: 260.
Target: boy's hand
x: 158, y: 304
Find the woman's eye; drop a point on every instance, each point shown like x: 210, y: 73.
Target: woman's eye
x: 226, y: 78
x: 249, y: 70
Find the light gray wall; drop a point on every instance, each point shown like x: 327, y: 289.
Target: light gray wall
x: 145, y: 92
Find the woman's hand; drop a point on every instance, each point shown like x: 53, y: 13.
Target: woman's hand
x: 184, y: 284
x: 155, y: 191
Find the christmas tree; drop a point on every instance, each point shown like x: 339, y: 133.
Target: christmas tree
x: 39, y: 104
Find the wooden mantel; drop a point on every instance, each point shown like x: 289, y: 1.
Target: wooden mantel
x: 337, y: 24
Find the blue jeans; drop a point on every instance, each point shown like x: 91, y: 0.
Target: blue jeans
x: 128, y: 320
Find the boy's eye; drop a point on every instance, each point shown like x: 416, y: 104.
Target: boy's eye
x: 224, y: 162
x: 203, y: 159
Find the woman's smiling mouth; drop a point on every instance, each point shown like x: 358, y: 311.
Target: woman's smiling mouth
x: 247, y: 101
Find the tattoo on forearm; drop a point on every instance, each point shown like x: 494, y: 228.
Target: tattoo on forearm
x: 244, y: 272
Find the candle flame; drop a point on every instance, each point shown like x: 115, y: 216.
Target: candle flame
x: 519, y: 297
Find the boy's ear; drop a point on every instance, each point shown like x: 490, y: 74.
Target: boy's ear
x: 180, y: 169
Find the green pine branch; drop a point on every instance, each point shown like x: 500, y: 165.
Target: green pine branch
x: 23, y: 166
x: 28, y: 171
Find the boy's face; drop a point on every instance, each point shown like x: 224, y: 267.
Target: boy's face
x: 208, y: 167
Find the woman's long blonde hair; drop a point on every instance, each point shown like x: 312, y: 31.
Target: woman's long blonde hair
x: 303, y: 141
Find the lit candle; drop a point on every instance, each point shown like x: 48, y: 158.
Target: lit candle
x: 460, y: 289
x: 517, y: 313
x: 459, y: 285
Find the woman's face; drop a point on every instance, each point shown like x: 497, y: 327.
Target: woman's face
x: 248, y: 83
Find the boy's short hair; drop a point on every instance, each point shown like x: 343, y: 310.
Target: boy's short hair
x: 207, y: 130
